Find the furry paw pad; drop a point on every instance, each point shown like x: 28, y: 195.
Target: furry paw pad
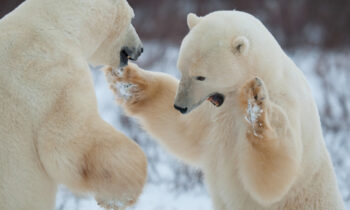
x: 126, y: 90
x: 126, y: 83
x: 115, y: 204
x: 253, y: 99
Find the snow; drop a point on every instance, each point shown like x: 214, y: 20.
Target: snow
x: 119, y: 72
x: 125, y: 89
x: 173, y: 186
x: 253, y: 113
x: 154, y: 197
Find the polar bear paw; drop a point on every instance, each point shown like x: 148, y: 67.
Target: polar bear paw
x: 126, y: 83
x: 115, y: 204
x: 254, y: 99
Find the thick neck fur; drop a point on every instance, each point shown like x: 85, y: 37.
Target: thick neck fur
x: 84, y: 24
x: 268, y: 61
x: 267, y: 55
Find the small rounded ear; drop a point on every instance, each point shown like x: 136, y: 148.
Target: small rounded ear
x: 240, y: 45
x: 192, y: 20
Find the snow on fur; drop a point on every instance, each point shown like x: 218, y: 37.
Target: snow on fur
x: 125, y: 89
x: 253, y: 113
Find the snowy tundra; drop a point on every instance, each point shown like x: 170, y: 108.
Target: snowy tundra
x: 50, y: 129
x: 261, y: 145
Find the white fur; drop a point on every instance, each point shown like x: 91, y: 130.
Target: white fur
x: 305, y: 178
x: 50, y: 130
x: 288, y: 166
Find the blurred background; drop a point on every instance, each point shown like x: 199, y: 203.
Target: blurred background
x: 314, y: 33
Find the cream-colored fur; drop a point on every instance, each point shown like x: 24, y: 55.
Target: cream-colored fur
x: 263, y: 147
x: 50, y: 129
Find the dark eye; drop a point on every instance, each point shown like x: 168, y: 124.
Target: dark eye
x: 200, y: 78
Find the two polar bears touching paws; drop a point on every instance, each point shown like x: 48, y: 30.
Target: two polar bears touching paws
x: 259, y: 141
x: 242, y: 111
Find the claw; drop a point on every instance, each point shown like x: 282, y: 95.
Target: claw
x: 258, y: 80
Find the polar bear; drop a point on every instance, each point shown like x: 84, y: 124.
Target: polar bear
x: 50, y: 129
x: 260, y: 146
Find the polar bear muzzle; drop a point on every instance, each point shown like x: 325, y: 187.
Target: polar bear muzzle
x: 127, y: 54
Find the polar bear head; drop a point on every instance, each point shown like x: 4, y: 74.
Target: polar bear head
x: 218, y: 53
x: 121, y: 42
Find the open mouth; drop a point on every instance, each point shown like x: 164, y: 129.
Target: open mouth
x: 217, y: 99
x: 125, y: 56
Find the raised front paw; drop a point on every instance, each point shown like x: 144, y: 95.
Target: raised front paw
x: 127, y: 83
x: 115, y: 204
x: 254, y: 101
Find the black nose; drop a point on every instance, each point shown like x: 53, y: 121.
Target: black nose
x: 140, y: 52
x: 182, y: 110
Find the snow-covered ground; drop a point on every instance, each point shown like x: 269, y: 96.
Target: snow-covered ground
x: 171, y: 185
x: 154, y: 197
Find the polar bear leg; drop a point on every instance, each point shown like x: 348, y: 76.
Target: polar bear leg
x: 214, y: 191
x: 149, y: 96
x: 270, y: 159
x: 114, y: 168
x: 218, y: 203
x: 96, y: 159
